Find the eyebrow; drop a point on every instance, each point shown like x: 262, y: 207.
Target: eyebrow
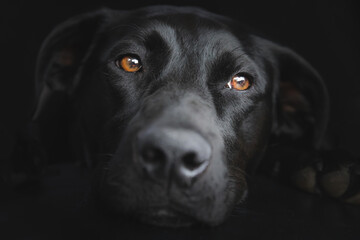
x: 125, y: 46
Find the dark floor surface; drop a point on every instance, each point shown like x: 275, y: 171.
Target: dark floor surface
x: 273, y: 211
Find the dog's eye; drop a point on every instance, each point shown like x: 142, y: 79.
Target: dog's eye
x: 129, y: 63
x: 239, y: 82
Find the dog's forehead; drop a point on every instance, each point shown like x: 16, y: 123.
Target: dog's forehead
x: 185, y: 31
x: 199, y: 40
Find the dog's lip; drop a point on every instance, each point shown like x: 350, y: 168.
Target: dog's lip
x: 167, y: 216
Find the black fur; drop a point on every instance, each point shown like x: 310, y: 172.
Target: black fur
x: 88, y: 109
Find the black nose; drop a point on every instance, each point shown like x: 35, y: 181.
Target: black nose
x: 166, y: 151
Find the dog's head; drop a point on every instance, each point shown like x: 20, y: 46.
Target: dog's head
x: 175, y: 105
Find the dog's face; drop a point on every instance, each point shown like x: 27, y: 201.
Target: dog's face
x: 189, y: 109
x: 174, y: 104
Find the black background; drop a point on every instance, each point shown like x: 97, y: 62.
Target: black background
x: 326, y: 33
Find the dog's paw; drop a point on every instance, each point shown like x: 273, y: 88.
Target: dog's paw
x: 340, y: 176
x: 343, y: 183
x: 306, y: 179
x: 336, y: 175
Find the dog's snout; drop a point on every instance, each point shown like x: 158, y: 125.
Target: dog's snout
x: 166, y: 151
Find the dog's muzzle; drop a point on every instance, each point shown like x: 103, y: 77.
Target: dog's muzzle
x: 170, y: 167
x: 167, y: 153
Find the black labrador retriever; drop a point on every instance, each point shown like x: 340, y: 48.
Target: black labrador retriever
x: 175, y: 106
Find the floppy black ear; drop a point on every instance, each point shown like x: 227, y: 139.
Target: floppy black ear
x: 60, y: 65
x: 302, y: 104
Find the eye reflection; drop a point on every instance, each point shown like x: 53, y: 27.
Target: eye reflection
x: 129, y: 64
x: 239, y: 82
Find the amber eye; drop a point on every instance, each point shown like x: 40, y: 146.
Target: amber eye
x: 239, y: 82
x: 129, y: 64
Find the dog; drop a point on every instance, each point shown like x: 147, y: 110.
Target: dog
x: 175, y: 107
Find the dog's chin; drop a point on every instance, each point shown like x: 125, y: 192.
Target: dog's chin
x: 166, y: 217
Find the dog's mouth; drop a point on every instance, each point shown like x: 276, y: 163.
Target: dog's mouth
x: 167, y: 217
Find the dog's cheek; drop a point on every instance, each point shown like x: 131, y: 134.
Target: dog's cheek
x: 253, y: 135
x: 217, y: 192
x: 111, y: 187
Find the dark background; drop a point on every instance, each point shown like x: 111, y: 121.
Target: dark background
x: 326, y: 33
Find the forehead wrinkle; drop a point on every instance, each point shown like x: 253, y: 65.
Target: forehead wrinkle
x: 201, y: 41
x: 170, y: 37
x: 166, y: 32
x: 192, y: 48
x: 221, y: 42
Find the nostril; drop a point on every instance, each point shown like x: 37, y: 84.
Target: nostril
x: 190, y: 161
x: 192, y: 164
x: 153, y: 155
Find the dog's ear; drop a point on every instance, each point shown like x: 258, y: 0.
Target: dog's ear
x: 60, y: 65
x: 301, y: 99
x: 65, y: 50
